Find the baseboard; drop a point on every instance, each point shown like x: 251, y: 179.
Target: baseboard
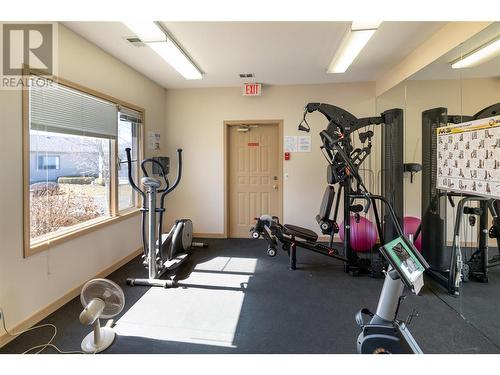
x: 209, y: 235
x: 50, y: 308
x: 327, y: 239
x: 464, y: 243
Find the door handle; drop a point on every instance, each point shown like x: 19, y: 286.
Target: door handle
x: 275, y: 186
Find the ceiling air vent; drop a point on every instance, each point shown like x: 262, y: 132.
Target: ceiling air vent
x: 247, y: 75
x: 136, y: 42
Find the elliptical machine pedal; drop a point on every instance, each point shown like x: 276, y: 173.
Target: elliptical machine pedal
x: 168, y: 283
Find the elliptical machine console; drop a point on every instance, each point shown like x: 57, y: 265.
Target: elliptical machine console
x: 385, y: 333
x: 163, y: 252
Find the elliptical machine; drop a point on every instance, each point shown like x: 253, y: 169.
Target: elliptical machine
x: 163, y: 252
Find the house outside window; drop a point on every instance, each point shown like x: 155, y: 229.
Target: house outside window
x: 48, y: 162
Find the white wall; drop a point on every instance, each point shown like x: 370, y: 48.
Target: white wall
x: 194, y: 121
x: 28, y: 285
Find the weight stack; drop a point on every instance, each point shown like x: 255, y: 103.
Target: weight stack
x: 392, y: 169
x: 433, y: 204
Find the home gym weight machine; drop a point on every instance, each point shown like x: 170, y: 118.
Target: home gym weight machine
x: 344, y: 161
x: 163, y: 252
x: 447, y: 266
x: 385, y: 333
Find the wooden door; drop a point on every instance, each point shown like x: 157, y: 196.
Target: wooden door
x: 254, y: 176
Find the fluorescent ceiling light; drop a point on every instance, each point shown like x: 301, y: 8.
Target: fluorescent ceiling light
x: 479, y: 56
x: 352, y: 44
x: 146, y: 31
x: 158, y: 39
x: 176, y: 58
x: 365, y: 25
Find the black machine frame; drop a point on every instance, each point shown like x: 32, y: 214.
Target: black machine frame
x: 449, y: 268
x: 344, y: 161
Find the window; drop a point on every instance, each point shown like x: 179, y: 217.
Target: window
x: 48, y: 162
x: 61, y: 198
x: 76, y: 148
x: 128, y: 126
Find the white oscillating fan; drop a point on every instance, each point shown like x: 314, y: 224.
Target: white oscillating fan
x: 101, y: 298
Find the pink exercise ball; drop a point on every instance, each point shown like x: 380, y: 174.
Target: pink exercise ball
x: 410, y: 226
x: 363, y: 234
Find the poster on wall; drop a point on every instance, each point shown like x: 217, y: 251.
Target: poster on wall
x: 291, y: 143
x: 153, y: 141
x: 304, y: 143
x: 468, y: 157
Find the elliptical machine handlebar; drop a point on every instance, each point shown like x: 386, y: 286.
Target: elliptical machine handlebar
x: 167, y: 189
x: 179, y: 172
x: 159, y: 165
x: 145, y: 245
x: 129, y: 174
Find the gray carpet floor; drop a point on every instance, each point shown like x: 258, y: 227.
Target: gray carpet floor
x: 235, y: 299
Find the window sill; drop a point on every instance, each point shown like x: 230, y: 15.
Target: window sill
x: 80, y: 230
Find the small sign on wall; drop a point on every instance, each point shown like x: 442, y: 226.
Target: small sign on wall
x: 153, y: 141
x: 304, y: 143
x: 291, y: 142
x: 252, y: 89
x: 294, y: 143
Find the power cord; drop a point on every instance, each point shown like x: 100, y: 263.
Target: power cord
x: 41, y: 347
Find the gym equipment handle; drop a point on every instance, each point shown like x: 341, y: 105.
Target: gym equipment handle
x: 179, y: 171
x: 163, y: 174
x: 129, y: 174
x: 165, y: 192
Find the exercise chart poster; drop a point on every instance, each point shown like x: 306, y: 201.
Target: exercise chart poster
x: 468, y: 157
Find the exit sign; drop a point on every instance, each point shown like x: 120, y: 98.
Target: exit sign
x: 252, y: 89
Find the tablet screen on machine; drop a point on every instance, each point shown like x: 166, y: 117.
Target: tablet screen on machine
x: 403, y: 259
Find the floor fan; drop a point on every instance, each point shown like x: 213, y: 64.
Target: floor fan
x: 101, y: 299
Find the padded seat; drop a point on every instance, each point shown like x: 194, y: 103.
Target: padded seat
x: 323, y: 218
x: 300, y: 232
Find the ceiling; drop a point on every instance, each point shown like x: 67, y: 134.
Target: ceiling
x: 278, y: 53
x: 441, y: 68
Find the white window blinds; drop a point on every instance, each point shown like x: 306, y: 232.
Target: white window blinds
x: 127, y: 114
x: 59, y: 109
